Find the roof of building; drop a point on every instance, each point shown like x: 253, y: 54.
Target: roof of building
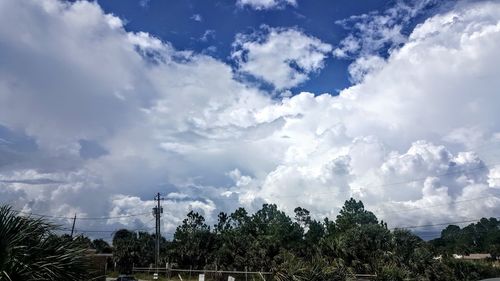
x: 475, y: 256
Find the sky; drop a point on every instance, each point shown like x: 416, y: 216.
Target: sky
x: 236, y: 103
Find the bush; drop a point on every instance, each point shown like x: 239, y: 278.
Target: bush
x: 30, y: 251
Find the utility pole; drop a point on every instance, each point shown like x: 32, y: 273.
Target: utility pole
x: 157, y: 211
x: 73, y: 227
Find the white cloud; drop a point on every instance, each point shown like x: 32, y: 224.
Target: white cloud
x: 374, y: 35
x: 208, y: 35
x: 494, y: 177
x: 416, y: 132
x: 80, y: 75
x: 144, y: 3
x: 423, y: 91
x: 197, y: 17
x: 266, y: 4
x: 282, y: 57
x: 363, y: 66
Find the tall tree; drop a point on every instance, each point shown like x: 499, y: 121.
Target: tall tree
x: 125, y: 252
x: 353, y: 214
x: 193, y: 242
x: 275, y: 231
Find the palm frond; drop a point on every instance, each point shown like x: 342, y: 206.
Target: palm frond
x: 29, y: 250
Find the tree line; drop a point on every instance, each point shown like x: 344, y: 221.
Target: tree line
x: 292, y: 248
x: 302, y: 248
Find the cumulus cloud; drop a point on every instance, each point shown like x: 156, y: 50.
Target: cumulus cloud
x: 280, y: 56
x: 266, y: 4
x: 413, y: 95
x: 374, y: 35
x: 95, y: 120
x: 79, y: 80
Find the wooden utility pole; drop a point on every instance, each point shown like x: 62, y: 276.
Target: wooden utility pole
x: 157, y: 211
x: 73, y: 227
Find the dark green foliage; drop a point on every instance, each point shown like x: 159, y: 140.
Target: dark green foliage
x: 291, y: 268
x: 480, y: 237
x: 471, y: 270
x: 101, y: 246
x: 392, y: 272
x: 130, y: 248
x: 364, y: 246
x: 30, y: 251
x: 303, y: 248
x: 193, y: 242
x: 353, y: 214
x: 296, y: 249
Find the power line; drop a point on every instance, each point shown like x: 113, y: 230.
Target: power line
x: 424, y: 178
x: 280, y: 196
x: 82, y: 218
x: 389, y: 184
x: 142, y: 214
x: 105, y: 231
x: 438, y: 224
x: 475, y: 149
x: 271, y: 223
x: 439, y: 205
x: 484, y: 166
x: 93, y: 232
x: 291, y: 222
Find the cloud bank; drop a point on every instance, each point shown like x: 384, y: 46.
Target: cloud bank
x: 94, y: 120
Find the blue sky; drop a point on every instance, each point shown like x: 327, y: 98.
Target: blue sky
x: 227, y: 104
x: 185, y: 23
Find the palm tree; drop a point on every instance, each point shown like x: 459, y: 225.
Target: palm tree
x: 29, y: 250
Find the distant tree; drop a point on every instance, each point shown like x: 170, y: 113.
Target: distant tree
x: 365, y: 246
x: 123, y: 235
x: 83, y: 240
x: 238, y: 240
x: 101, y: 246
x: 404, y: 244
x: 193, y: 242
x: 223, y: 223
x: 146, y: 248
x: 302, y: 248
x: 353, y: 214
x: 302, y: 216
x: 240, y: 218
x: 275, y: 231
x: 330, y: 227
x: 125, y: 253
x: 313, y: 232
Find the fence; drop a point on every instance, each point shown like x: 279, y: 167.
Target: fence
x: 218, y: 275
x: 210, y: 275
